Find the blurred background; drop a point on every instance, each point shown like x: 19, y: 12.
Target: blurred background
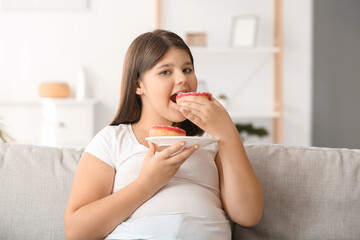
x: 61, y: 64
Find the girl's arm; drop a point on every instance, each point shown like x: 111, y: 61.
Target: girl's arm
x: 93, y: 212
x: 241, y: 192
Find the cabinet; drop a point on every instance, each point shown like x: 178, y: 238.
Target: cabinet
x: 67, y: 123
x: 274, y: 51
x: 49, y: 122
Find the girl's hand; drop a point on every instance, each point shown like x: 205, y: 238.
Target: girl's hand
x: 158, y: 169
x: 210, y: 116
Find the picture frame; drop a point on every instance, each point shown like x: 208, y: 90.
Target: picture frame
x: 198, y: 39
x: 244, y: 31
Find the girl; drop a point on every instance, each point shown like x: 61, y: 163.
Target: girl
x: 127, y: 188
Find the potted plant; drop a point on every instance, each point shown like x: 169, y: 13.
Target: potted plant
x: 4, y: 137
x: 246, y: 130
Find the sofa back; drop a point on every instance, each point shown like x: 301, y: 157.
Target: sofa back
x: 35, y: 183
x: 310, y: 193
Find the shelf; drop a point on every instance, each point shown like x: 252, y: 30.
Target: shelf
x: 68, y: 101
x: 243, y: 114
x: 231, y: 50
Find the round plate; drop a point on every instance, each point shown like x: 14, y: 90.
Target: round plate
x: 189, y: 141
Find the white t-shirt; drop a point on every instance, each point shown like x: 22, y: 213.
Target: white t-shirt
x: 188, y: 207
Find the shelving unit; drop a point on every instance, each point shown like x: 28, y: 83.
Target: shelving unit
x: 276, y: 50
x: 278, y: 71
x: 51, y: 122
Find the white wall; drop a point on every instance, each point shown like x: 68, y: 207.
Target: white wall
x: 38, y: 46
x: 298, y: 67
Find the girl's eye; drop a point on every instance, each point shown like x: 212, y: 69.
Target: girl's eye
x: 165, y: 72
x: 187, y: 70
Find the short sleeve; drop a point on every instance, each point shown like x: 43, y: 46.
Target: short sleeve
x: 101, y: 146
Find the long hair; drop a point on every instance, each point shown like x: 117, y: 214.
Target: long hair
x: 143, y: 53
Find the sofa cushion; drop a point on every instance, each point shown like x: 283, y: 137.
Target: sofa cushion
x: 310, y: 193
x: 35, y: 185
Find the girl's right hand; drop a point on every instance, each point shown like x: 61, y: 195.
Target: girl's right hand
x: 158, y: 169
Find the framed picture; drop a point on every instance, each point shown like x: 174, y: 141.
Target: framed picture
x: 44, y: 4
x: 196, y: 39
x: 244, y: 31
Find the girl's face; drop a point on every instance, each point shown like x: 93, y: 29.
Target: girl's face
x: 158, y: 87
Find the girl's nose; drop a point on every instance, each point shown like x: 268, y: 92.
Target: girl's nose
x: 181, y: 78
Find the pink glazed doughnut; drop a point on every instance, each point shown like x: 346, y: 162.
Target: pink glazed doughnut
x: 201, y: 94
x: 161, y: 131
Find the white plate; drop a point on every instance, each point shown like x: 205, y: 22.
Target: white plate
x: 190, y: 141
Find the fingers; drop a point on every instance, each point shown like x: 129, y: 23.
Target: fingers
x: 181, y: 157
x: 204, y: 113
x: 177, y: 153
x: 193, y: 106
x: 193, y: 117
x: 151, y: 151
x: 202, y: 106
x: 176, y: 147
x: 196, y: 108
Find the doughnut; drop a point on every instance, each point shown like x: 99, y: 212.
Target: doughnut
x: 201, y: 94
x: 160, y: 130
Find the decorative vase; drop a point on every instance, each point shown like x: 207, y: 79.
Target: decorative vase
x: 81, y: 85
x: 54, y: 90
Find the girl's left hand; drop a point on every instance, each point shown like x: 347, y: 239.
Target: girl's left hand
x: 210, y: 116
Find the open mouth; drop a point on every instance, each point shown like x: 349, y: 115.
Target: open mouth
x: 173, y: 97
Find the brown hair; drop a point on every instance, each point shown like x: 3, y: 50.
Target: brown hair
x: 143, y: 53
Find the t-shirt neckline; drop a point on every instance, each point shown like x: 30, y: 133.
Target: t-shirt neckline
x: 132, y: 134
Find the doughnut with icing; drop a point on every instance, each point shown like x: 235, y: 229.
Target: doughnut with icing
x: 201, y: 94
x: 161, y: 131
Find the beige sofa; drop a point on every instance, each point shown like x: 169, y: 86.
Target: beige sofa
x: 310, y: 193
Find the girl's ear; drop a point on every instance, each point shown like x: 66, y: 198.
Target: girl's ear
x: 139, y: 88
